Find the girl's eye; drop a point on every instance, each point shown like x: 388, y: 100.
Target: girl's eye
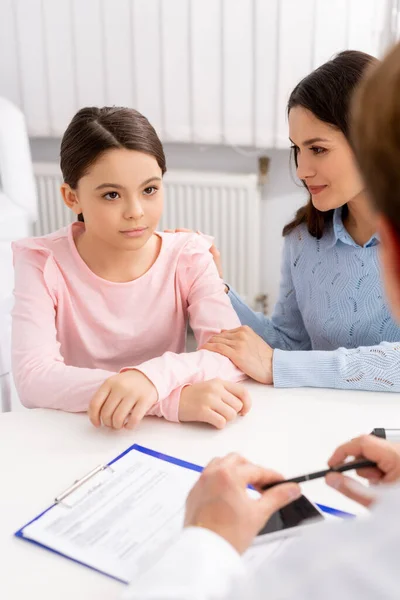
x: 111, y: 196
x: 318, y: 150
x: 149, y: 191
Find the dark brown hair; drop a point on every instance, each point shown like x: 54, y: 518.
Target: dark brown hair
x: 94, y: 130
x: 327, y: 93
x: 375, y: 135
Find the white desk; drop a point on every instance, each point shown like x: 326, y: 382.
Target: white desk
x: 43, y: 451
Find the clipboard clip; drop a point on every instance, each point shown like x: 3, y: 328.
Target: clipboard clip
x: 80, y: 482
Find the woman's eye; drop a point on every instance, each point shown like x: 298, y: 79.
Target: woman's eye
x: 317, y: 149
x: 149, y: 191
x: 111, y: 196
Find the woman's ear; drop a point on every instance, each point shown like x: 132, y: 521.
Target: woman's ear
x: 70, y: 198
x: 390, y: 262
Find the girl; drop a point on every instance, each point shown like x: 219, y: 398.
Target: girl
x: 331, y: 326
x: 101, y: 307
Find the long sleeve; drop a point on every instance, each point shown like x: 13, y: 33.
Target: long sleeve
x: 357, y: 559
x: 41, y: 376
x: 59, y: 338
x: 372, y: 368
x: 199, y: 566
x: 285, y: 329
x: 209, y: 312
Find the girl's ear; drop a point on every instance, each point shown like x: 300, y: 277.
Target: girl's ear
x: 70, y: 198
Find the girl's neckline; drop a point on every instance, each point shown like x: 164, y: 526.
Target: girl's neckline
x: 75, y: 229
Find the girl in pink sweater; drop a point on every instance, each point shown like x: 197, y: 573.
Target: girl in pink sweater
x: 101, y: 306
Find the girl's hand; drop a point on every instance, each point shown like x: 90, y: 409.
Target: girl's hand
x: 122, y: 400
x: 246, y: 350
x: 215, y: 402
x: 386, y: 456
x: 214, y: 250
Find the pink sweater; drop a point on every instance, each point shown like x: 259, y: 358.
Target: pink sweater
x: 73, y: 329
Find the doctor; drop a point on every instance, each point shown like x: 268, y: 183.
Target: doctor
x: 359, y: 559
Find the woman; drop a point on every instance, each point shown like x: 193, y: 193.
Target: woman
x: 331, y: 326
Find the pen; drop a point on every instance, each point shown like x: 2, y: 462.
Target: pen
x: 391, y: 435
x: 357, y: 464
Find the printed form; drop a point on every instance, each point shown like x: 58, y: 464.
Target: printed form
x: 122, y: 521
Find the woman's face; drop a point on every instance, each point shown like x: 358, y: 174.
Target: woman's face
x: 325, y: 161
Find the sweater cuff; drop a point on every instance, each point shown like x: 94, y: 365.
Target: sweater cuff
x: 167, y: 407
x: 153, y: 374
x: 307, y: 368
x: 170, y: 405
x: 200, y: 564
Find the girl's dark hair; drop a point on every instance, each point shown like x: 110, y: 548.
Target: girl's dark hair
x: 327, y: 93
x: 94, y: 130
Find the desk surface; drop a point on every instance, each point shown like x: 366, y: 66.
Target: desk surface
x: 43, y: 452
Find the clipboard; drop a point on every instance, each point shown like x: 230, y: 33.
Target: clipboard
x: 107, y: 471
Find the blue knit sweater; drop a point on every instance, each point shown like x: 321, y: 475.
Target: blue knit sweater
x: 331, y: 326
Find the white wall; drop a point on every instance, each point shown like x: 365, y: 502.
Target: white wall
x: 202, y: 71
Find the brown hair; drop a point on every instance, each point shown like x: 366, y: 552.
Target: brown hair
x: 376, y: 135
x: 327, y: 93
x: 93, y: 131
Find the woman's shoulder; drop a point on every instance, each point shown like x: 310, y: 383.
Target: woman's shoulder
x: 300, y: 239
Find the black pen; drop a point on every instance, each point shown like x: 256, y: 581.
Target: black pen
x: 391, y: 435
x: 357, y: 464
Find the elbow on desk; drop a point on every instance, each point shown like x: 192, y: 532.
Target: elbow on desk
x: 38, y: 389
x: 36, y: 379
x: 27, y: 395
x: 32, y: 389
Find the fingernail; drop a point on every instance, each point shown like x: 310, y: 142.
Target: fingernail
x: 294, y: 493
x: 334, y: 480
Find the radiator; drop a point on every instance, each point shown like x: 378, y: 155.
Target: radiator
x: 222, y: 205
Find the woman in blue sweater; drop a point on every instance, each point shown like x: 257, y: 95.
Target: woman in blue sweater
x: 331, y: 326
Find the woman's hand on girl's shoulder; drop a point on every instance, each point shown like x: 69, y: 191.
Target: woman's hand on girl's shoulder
x: 215, y: 402
x: 122, y: 400
x: 215, y: 253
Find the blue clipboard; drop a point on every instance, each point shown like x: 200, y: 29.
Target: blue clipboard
x: 165, y: 457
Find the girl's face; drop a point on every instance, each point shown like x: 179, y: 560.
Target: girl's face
x: 121, y: 198
x: 325, y: 161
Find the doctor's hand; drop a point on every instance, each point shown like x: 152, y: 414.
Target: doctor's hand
x: 246, y: 350
x: 385, y: 454
x: 221, y: 503
x: 122, y: 400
